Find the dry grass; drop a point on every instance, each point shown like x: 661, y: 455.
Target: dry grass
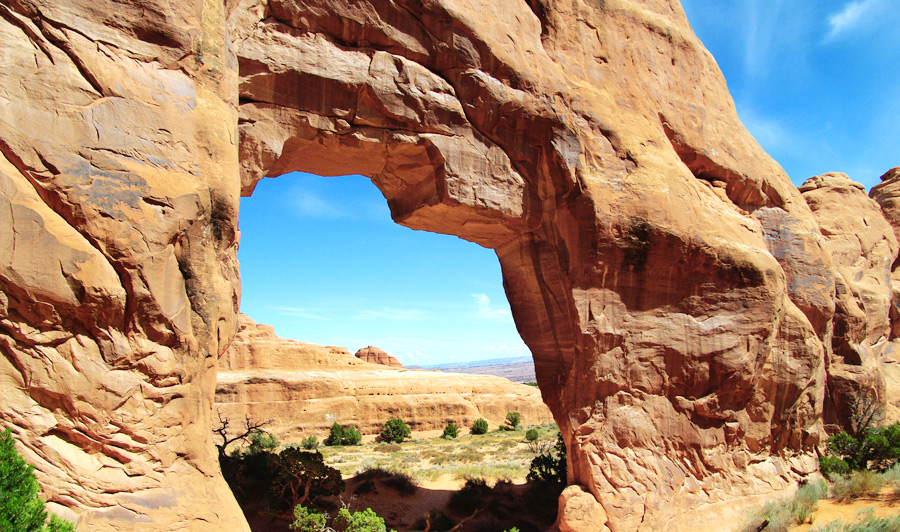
x: 495, y: 455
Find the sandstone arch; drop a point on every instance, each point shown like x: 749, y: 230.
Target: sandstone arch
x: 672, y: 284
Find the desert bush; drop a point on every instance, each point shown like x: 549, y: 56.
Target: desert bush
x: 782, y: 515
x: 398, y: 480
x: 550, y: 467
x: 261, y: 441
x: 394, y: 430
x: 892, y: 477
x: 300, y: 475
x: 833, y: 467
x: 364, y: 521
x: 343, y: 435
x: 803, y: 503
x: 512, y: 421
x: 480, y: 426
x: 469, y: 497
x: 531, y: 435
x: 309, y: 443
x: 866, y: 445
x: 857, y: 484
x: 438, y: 521
x: 21, y: 508
x: 307, y: 520
x: 451, y: 431
x: 868, y: 523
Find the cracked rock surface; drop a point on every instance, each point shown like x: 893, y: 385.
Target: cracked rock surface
x: 696, y: 322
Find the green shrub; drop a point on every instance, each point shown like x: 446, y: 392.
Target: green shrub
x: 343, y: 435
x: 451, y: 431
x: 261, y: 441
x: 352, y: 436
x: 480, y: 426
x: 512, y: 420
x: 531, y: 435
x: 803, y: 503
x: 469, y: 497
x: 307, y: 520
x: 364, y: 521
x: 394, y: 430
x: 876, y: 448
x: 336, y: 435
x: 857, y: 484
x: 833, y: 467
x: 21, y: 508
x: 299, y: 476
x: 309, y: 443
x: 550, y: 467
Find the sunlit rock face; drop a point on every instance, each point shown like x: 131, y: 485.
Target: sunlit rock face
x: 301, y: 389
x: 685, y: 313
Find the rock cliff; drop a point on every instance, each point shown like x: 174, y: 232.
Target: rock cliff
x: 304, y: 388
x: 691, y: 324
x: 377, y: 356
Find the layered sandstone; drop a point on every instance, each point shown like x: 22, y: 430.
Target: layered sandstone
x: 302, y: 389
x: 887, y: 194
x: 674, y: 287
x: 374, y: 355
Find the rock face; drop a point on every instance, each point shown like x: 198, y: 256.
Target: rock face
x: 304, y: 388
x: 374, y: 355
x: 687, y: 317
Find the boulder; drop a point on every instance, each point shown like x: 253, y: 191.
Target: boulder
x: 374, y: 355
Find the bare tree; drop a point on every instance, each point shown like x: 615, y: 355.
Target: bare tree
x: 243, y: 433
x: 866, y: 412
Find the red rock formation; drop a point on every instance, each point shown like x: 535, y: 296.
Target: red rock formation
x: 672, y: 284
x: 304, y: 388
x: 374, y: 355
x: 887, y: 194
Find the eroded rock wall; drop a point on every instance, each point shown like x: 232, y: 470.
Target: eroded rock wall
x: 671, y: 283
x: 304, y: 388
x: 674, y: 287
x: 118, y: 278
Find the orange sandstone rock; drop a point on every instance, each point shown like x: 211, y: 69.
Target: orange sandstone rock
x: 374, y: 355
x: 304, y: 388
x: 674, y: 287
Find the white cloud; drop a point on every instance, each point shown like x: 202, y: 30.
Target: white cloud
x: 389, y: 313
x: 297, y: 312
x: 314, y: 206
x: 486, y: 312
x: 854, y: 15
x: 514, y: 349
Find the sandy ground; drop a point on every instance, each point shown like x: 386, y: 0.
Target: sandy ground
x: 830, y: 510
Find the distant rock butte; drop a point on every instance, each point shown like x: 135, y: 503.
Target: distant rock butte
x: 696, y: 321
x: 377, y: 356
x: 304, y: 388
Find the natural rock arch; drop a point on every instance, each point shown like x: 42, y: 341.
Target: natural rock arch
x: 672, y: 284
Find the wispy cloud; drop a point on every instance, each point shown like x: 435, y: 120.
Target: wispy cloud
x: 511, y: 349
x: 312, y: 205
x: 855, y: 15
x: 390, y: 313
x: 297, y: 312
x: 486, y: 312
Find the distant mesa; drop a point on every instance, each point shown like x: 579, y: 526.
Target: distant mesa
x: 303, y: 388
x: 373, y: 355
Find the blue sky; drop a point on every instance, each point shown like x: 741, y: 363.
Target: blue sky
x: 817, y: 83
